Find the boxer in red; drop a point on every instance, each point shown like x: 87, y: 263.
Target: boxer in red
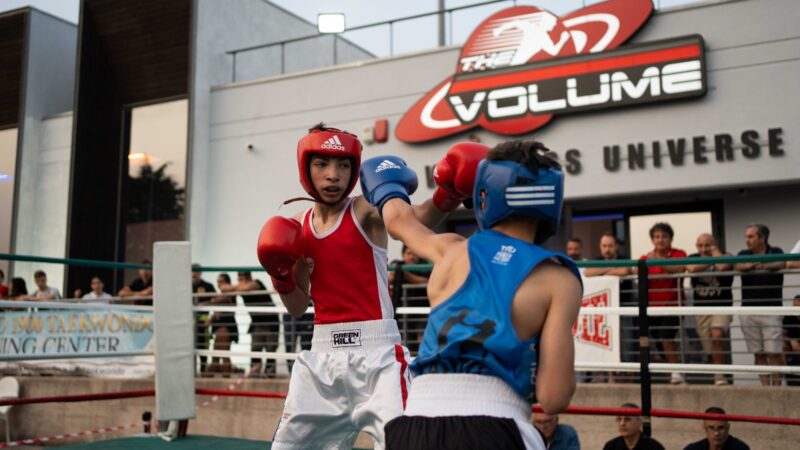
x: 355, y: 378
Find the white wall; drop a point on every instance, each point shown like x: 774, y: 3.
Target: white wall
x: 45, y: 142
x: 218, y: 28
x: 751, y: 68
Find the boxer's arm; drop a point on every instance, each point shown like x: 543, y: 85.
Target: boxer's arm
x: 402, y: 223
x: 429, y: 214
x: 555, y: 377
x: 297, y: 301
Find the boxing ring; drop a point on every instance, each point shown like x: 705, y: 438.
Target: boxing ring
x: 178, y: 398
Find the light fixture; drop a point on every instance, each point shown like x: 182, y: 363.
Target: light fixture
x: 330, y: 22
x: 139, y: 157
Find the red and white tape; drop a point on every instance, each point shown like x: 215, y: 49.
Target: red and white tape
x: 58, y: 437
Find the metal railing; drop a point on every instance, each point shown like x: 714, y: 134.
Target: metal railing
x: 390, y: 25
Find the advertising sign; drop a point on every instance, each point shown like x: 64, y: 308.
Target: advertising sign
x: 524, y: 65
x: 597, y: 336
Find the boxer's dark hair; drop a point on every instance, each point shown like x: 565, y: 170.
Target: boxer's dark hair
x: 532, y: 154
x: 319, y: 127
x: 226, y: 277
x: 714, y: 410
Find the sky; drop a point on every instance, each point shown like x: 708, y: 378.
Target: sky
x: 408, y: 36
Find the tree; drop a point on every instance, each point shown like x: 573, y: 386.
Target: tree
x: 154, y: 195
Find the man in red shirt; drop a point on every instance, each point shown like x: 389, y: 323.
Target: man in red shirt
x: 3, y: 287
x: 665, y: 292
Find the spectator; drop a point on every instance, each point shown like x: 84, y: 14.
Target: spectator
x: 665, y: 292
x: 18, y: 290
x: 44, y: 292
x: 97, y: 294
x: 609, y: 251
x: 717, y: 435
x: 794, y: 264
x: 222, y: 324
x: 264, y: 327
x: 712, y: 290
x: 556, y: 436
x: 630, y: 434
x: 200, y: 286
x: 575, y: 249
x: 413, y: 324
x: 301, y: 329
x: 791, y: 326
x: 762, y: 286
x: 3, y: 287
x: 140, y: 287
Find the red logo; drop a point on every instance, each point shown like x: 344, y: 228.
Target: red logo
x: 592, y: 329
x: 524, y: 64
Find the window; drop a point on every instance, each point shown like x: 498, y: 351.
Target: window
x: 8, y: 164
x: 156, y: 179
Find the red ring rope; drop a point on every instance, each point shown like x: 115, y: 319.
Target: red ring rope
x: 586, y: 410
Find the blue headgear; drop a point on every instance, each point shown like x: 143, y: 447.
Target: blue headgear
x: 503, y: 188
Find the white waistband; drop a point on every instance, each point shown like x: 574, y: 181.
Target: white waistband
x: 355, y: 336
x: 460, y: 394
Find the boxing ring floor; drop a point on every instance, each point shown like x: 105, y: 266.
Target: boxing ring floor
x: 149, y: 442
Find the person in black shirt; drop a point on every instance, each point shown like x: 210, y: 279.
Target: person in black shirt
x: 630, y: 434
x: 413, y: 325
x: 140, y: 287
x: 717, y: 435
x: 629, y: 347
x: 712, y: 290
x: 761, y: 286
x: 264, y: 327
x: 791, y: 326
x: 200, y: 286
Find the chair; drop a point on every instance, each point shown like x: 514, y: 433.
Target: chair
x: 9, y: 388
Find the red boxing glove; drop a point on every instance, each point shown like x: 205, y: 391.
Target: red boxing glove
x: 279, y: 248
x: 455, y: 174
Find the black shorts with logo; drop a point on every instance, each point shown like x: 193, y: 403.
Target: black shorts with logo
x: 453, y: 432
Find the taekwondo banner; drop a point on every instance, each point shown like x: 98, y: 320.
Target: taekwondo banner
x: 29, y: 338
x: 597, y: 336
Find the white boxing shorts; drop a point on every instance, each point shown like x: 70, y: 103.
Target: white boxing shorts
x: 460, y: 394
x: 355, y: 378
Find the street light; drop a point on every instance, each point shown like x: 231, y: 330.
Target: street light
x: 330, y: 22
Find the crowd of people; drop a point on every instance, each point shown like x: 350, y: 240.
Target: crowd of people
x: 559, y: 436
x: 711, y: 285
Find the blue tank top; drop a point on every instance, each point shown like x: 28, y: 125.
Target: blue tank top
x: 471, y: 332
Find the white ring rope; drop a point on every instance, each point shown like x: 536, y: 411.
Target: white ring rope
x: 59, y: 305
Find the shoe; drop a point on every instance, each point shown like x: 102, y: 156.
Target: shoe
x: 720, y: 380
x: 676, y: 378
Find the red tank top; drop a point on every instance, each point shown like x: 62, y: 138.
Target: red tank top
x: 348, y: 273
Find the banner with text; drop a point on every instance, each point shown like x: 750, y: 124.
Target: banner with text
x: 29, y: 338
x: 597, y: 336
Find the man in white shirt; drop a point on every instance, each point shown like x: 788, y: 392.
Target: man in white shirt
x: 45, y: 292
x: 97, y: 295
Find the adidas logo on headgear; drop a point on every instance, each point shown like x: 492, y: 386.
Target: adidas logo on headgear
x: 386, y: 164
x: 333, y: 144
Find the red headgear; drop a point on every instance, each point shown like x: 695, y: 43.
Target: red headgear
x: 327, y: 142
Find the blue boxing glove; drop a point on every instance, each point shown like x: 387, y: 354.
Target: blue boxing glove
x: 386, y: 177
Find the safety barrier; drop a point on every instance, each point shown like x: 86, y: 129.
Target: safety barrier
x: 412, y: 318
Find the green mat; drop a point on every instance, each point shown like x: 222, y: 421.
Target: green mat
x: 189, y: 442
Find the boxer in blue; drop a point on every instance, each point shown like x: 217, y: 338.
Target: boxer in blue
x: 499, y: 335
